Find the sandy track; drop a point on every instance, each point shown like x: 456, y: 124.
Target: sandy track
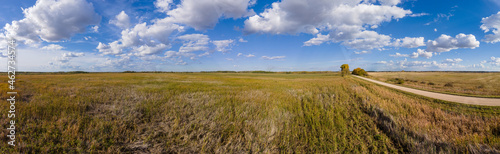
x: 446, y: 97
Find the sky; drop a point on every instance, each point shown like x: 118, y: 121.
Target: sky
x: 243, y: 35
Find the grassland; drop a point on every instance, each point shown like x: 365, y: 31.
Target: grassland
x: 458, y: 83
x: 236, y: 113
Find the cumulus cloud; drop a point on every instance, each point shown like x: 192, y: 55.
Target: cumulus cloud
x: 410, y: 42
x: 495, y: 61
x: 202, y: 15
x: 66, y: 57
x: 345, y: 20
x: 273, y: 58
x: 163, y: 5
x: 491, y: 23
x: 95, y: 29
x: 142, y: 39
x: 446, y: 43
x: 194, y: 42
x: 121, y: 20
x: 52, y: 21
x: 421, y: 53
x: 399, y: 55
x: 52, y: 47
x: 319, y: 39
x: 223, y: 45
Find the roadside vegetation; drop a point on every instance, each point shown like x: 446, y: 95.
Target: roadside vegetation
x: 360, y: 72
x: 237, y: 113
x: 458, y: 83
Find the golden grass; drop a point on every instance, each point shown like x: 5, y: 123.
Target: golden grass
x: 235, y: 113
x: 460, y: 83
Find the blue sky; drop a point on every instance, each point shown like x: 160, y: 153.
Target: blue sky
x: 239, y: 35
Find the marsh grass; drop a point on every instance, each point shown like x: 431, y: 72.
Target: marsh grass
x: 237, y: 113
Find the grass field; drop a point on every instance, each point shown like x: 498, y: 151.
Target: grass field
x: 236, y: 113
x: 458, y: 83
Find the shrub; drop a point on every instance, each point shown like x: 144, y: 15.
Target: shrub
x: 360, y: 72
x: 344, y: 69
x: 423, y: 82
x: 397, y: 80
x: 431, y: 83
x: 449, y: 84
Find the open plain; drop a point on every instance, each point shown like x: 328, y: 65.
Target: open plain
x: 238, y: 112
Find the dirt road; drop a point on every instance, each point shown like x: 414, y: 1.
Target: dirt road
x: 446, y: 97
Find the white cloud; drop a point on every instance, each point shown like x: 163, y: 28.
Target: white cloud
x: 223, y: 45
x: 446, y: 43
x: 422, y: 65
x: 361, y: 52
x: 410, y: 42
x: 242, y: 40
x: 66, y: 57
x: 229, y: 59
x: 202, y: 15
x: 298, y: 16
x: 439, y: 17
x: 389, y: 2
x: 319, y: 39
x: 495, y: 61
x: 491, y: 23
x: 52, y: 21
x: 73, y: 54
x: 418, y: 14
x: 435, y: 29
x: 95, y: 29
x: 142, y: 39
x: 163, y: 5
x: 421, y: 53
x: 174, y: 54
x: 52, y: 47
x: 273, y: 58
x: 452, y: 61
x: 250, y: 55
x: 121, y: 20
x: 194, y: 42
x: 399, y: 55
x: 345, y: 20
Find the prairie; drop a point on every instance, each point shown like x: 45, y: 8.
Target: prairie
x: 237, y: 113
x: 458, y: 83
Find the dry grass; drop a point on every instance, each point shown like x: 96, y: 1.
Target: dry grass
x: 236, y: 113
x: 461, y: 83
